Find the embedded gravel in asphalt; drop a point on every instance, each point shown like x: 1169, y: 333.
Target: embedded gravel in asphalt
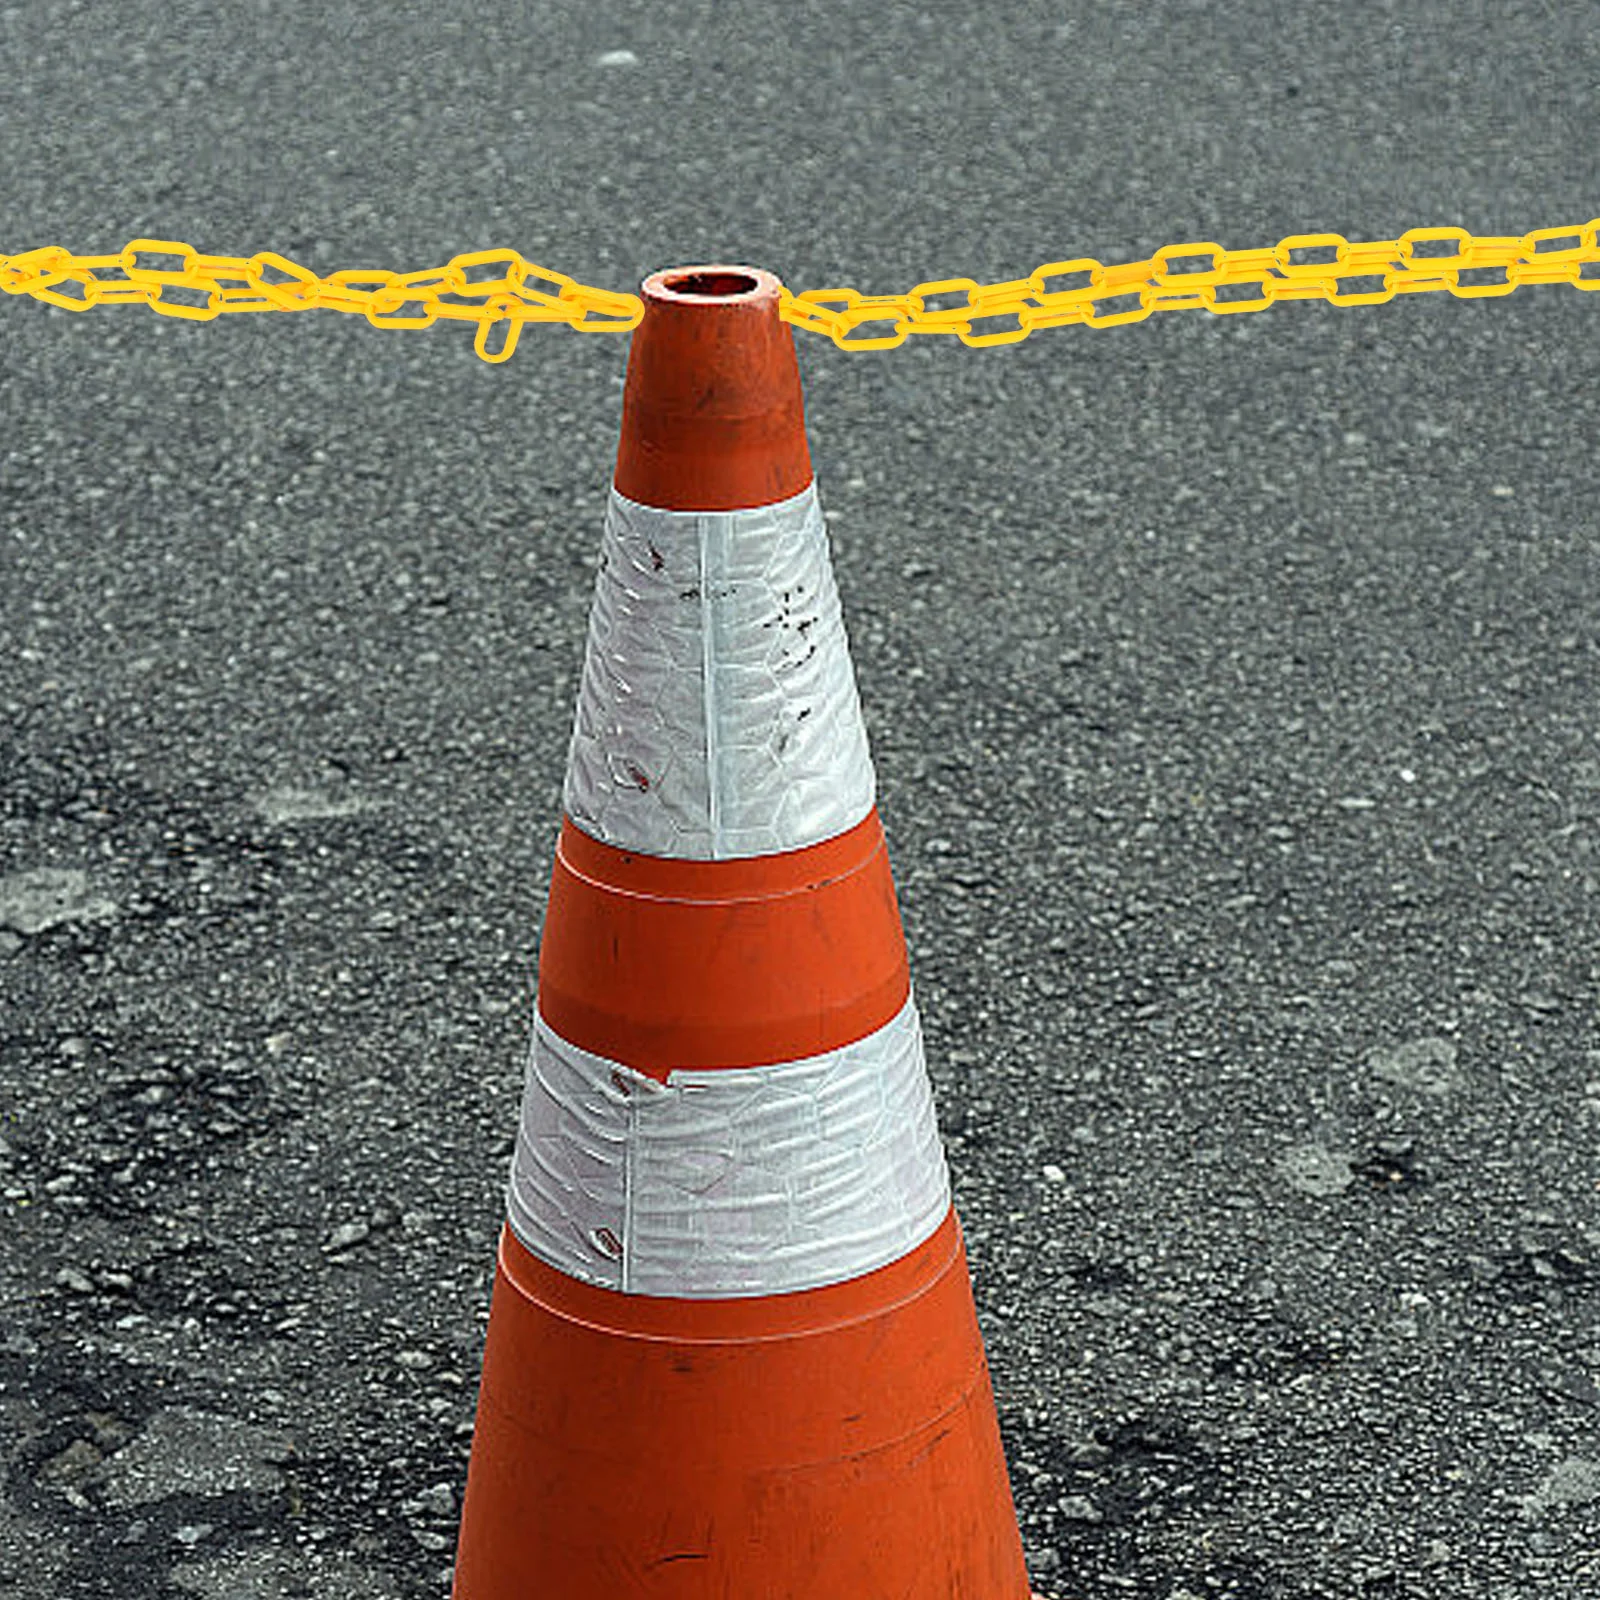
x: 1232, y: 685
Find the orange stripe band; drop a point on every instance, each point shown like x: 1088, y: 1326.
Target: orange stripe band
x: 660, y: 963
x: 835, y: 1443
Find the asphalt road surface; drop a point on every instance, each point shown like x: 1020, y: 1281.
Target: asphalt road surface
x: 1232, y: 685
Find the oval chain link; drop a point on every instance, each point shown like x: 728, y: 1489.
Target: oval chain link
x: 1181, y: 277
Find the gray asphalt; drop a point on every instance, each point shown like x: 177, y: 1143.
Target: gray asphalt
x: 1232, y: 689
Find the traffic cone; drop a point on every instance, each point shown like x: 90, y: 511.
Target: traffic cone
x: 732, y: 1352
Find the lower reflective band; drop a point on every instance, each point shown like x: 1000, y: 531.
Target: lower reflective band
x: 738, y: 1181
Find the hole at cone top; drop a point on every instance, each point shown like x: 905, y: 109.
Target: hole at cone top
x: 711, y: 285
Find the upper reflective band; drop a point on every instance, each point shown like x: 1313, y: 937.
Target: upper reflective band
x: 718, y: 715
x: 743, y: 1181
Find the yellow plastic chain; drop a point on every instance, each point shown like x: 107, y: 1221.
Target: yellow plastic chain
x: 1182, y: 277
x: 465, y: 289
x: 1187, y: 277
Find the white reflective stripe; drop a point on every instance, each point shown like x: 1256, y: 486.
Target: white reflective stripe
x: 744, y: 1181
x: 718, y: 716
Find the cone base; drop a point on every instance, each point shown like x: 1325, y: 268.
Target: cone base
x: 834, y: 1442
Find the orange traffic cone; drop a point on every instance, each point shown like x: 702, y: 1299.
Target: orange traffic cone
x: 732, y: 1353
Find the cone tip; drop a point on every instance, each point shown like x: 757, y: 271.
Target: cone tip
x: 716, y: 284
x: 712, y: 415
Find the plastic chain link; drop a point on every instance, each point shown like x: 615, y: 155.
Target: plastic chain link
x: 1182, y: 277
